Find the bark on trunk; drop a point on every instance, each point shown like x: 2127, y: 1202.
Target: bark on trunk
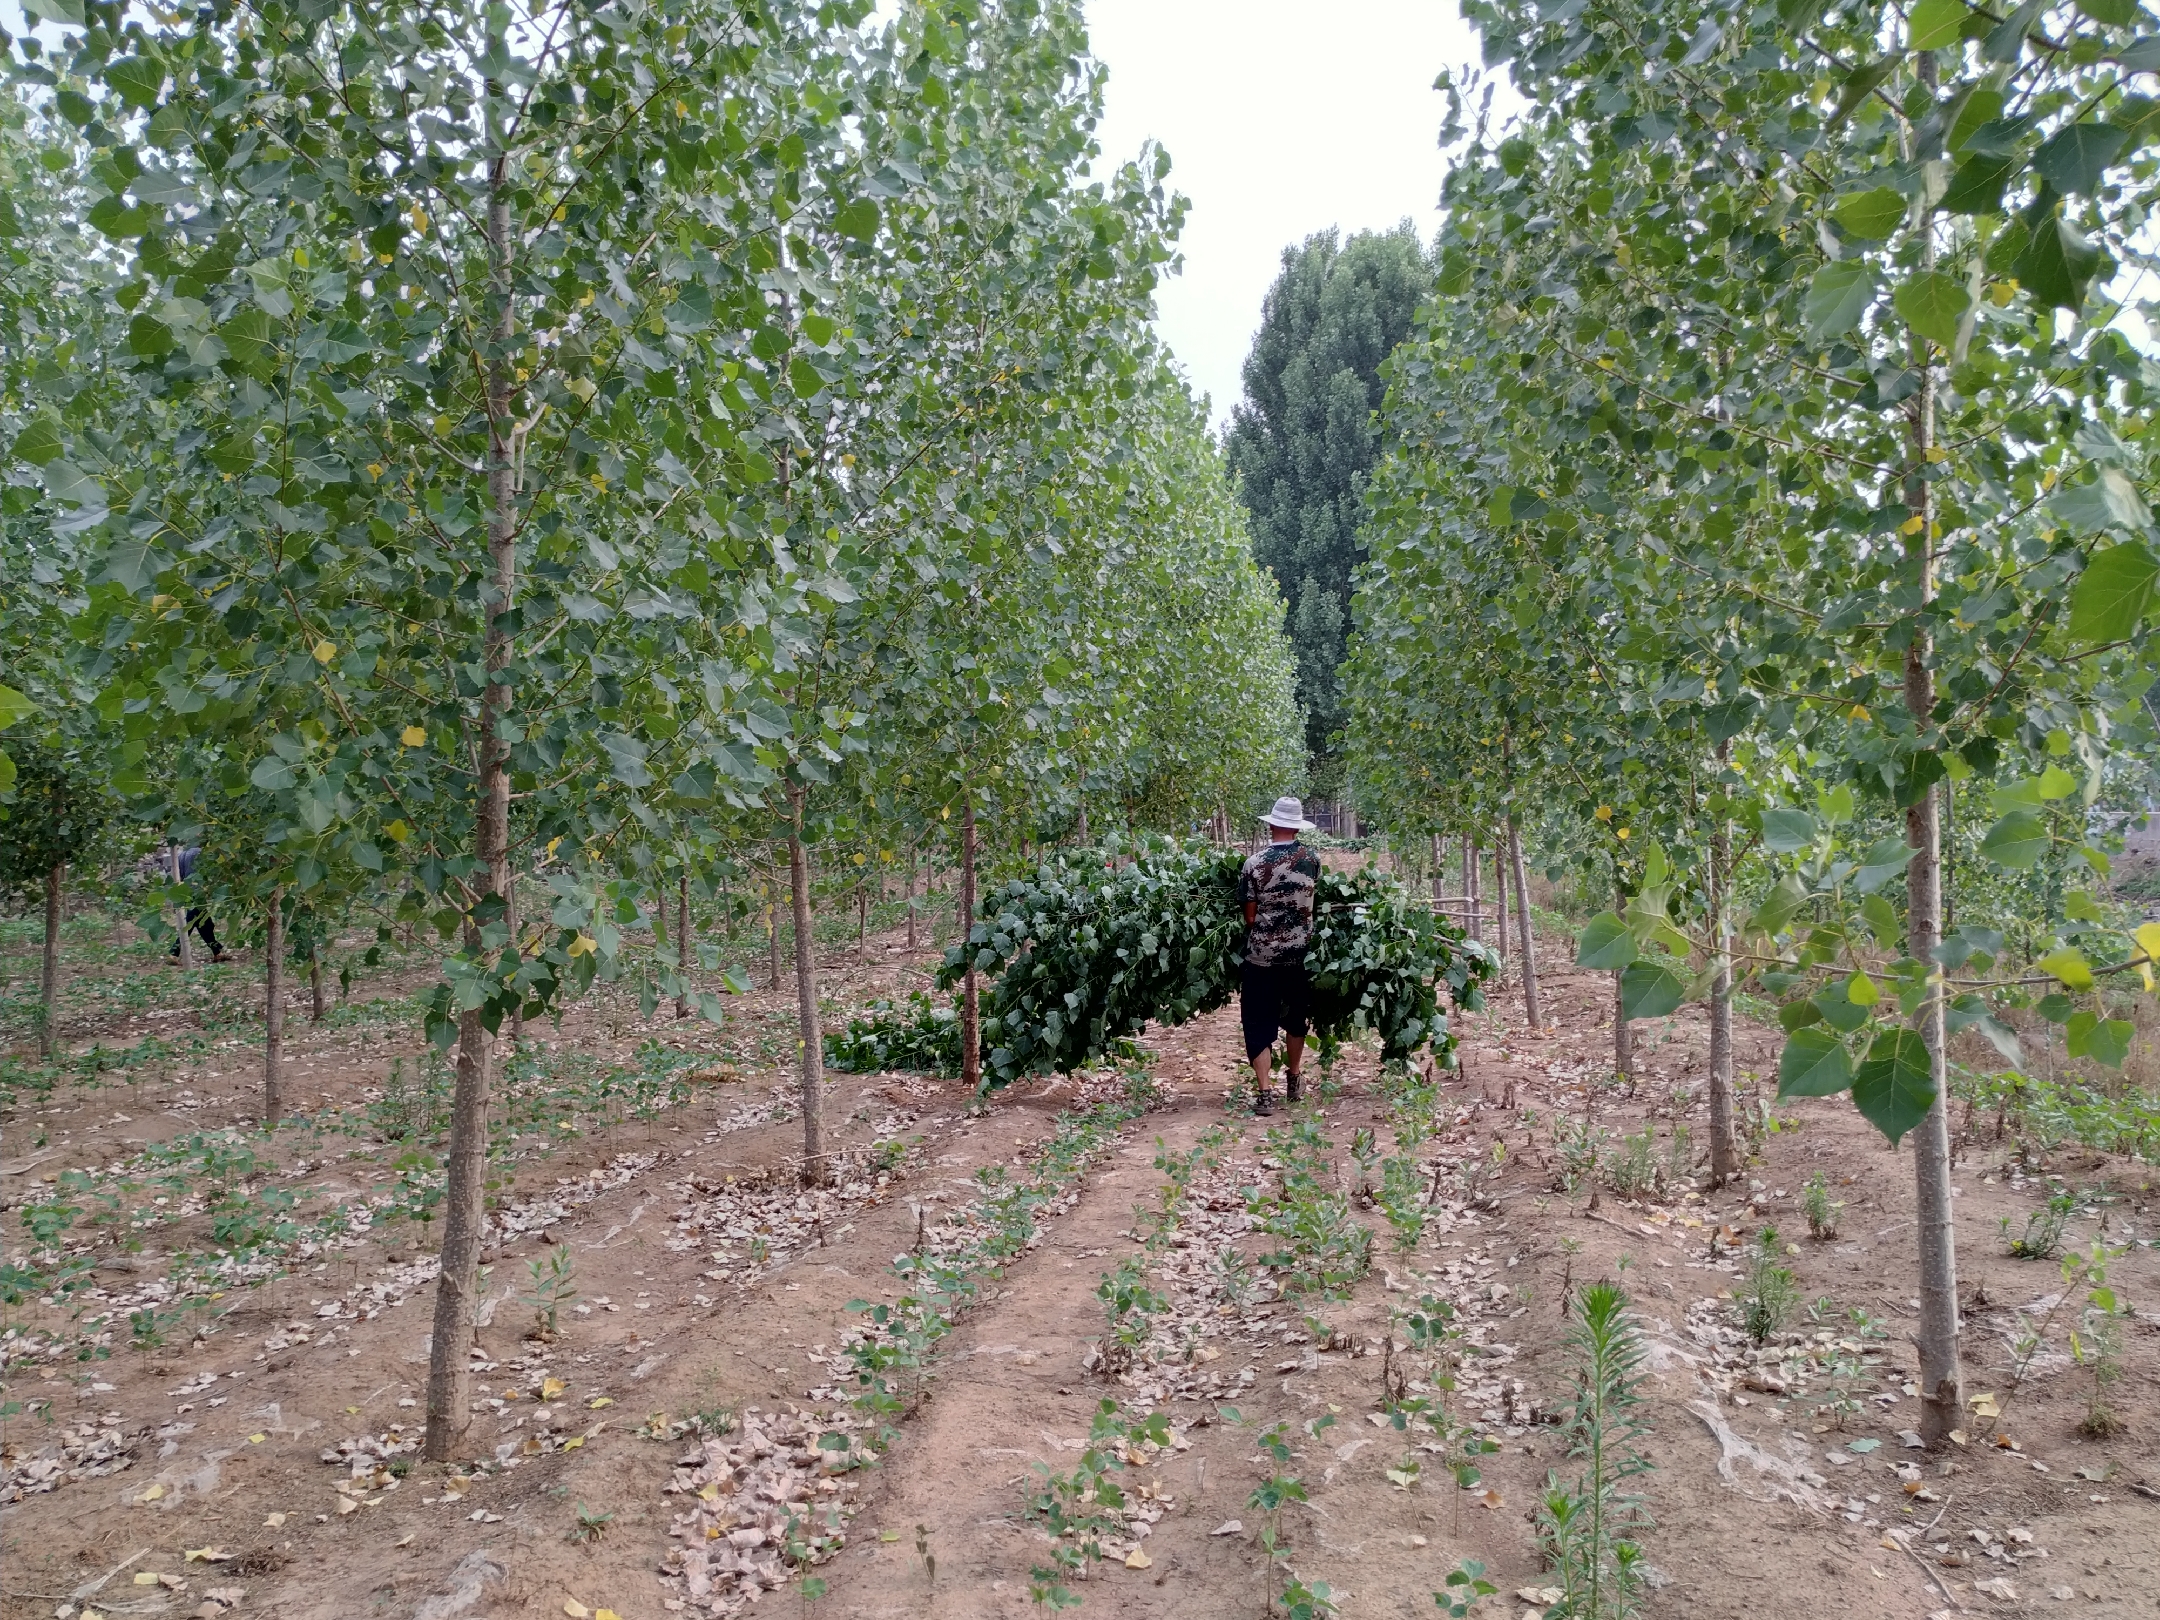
x: 49, y: 967
x: 970, y: 992
x: 1474, y: 901
x: 806, y: 996
x: 1724, y: 1146
x: 772, y: 936
x: 862, y: 923
x: 1083, y: 824
x: 1623, y: 1041
x: 1439, y: 866
x: 911, y: 899
x: 682, y: 944
x: 1941, y: 1383
x: 273, y: 1108
x: 187, y: 942
x: 1500, y: 888
x: 464, y: 1207
x: 315, y: 990
x: 1531, y: 1009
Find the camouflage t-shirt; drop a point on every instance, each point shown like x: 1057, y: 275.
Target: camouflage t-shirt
x: 1279, y: 882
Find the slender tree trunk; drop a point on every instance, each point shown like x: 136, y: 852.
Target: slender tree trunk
x: 911, y: 855
x: 970, y: 991
x: 1083, y: 824
x: 273, y: 1108
x: 464, y: 1206
x: 1473, y: 900
x: 815, y: 1173
x: 315, y: 989
x: 1500, y: 888
x: 682, y: 943
x: 49, y: 967
x: 1941, y: 1383
x: 1527, y: 940
x: 1623, y: 1041
x: 862, y: 922
x: 1724, y: 1144
x: 187, y: 930
x: 1439, y: 867
x: 772, y: 931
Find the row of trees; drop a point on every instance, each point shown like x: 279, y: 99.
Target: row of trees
x: 465, y: 450
x: 1763, y: 491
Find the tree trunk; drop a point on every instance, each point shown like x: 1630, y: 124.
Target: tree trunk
x: 1474, y: 865
x: 815, y: 1173
x: 273, y: 1108
x: 911, y: 853
x: 1724, y: 1145
x: 1531, y: 1010
x: 862, y: 922
x: 772, y: 932
x: 1439, y: 865
x: 187, y: 942
x: 464, y: 1196
x: 682, y: 943
x: 971, y: 991
x: 1500, y: 888
x: 1083, y: 824
x: 1623, y: 1040
x: 1941, y: 1384
x: 49, y: 967
x: 315, y: 990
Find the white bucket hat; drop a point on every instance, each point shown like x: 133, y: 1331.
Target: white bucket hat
x: 1288, y: 813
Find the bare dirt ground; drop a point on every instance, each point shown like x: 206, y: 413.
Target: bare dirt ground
x: 262, y: 1461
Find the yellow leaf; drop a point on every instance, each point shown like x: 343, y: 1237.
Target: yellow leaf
x: 197, y: 1555
x: 414, y: 737
x: 551, y: 1387
x: 2148, y: 939
x: 257, y: 1439
x: 599, y: 1401
x: 1603, y: 812
x: 583, y: 945
x: 573, y: 1443
x: 2069, y: 966
x: 398, y: 832
x: 1912, y: 525
x: 145, y: 1577
x: 1620, y: 832
x: 1983, y: 1405
x: 1861, y: 992
x: 1136, y: 1559
x: 1858, y: 711
x: 605, y: 1614
x: 711, y: 1493
x: 1936, y: 452
x: 325, y: 651
x: 152, y: 1494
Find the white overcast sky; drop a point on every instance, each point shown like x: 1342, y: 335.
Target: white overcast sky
x: 1280, y: 120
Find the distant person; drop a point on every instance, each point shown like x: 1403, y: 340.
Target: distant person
x: 1277, y: 887
x: 198, y: 920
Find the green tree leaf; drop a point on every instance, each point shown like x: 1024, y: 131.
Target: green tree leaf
x: 1605, y: 943
x: 1933, y: 24
x: 2074, y: 161
x: 2057, y: 261
x: 1933, y: 302
x: 859, y: 219
x: 1977, y: 187
x: 2017, y: 841
x: 40, y: 443
x: 1895, y: 1085
x: 2110, y: 500
x: 1837, y: 297
x: 1649, y: 989
x: 1872, y: 214
x: 1787, y: 831
x: 2114, y: 594
x: 2104, y: 1040
x: 1813, y: 1064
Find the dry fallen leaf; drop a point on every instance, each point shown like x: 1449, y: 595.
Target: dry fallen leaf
x: 1136, y: 1559
x: 152, y: 1494
x: 146, y: 1577
x: 407, y: 1539
x: 1493, y: 1499
x: 346, y: 1504
x: 1998, y: 1588
x: 257, y: 1439
x: 274, y: 1521
x: 599, y: 1401
x: 551, y: 1387
x: 1540, y: 1595
x: 606, y: 1614
x: 574, y: 1609
x: 1229, y: 1527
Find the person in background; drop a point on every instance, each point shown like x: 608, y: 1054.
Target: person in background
x: 197, y: 918
x: 1277, y: 887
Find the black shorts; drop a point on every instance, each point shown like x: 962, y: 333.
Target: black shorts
x: 1271, y: 998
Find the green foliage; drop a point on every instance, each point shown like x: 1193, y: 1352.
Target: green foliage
x: 551, y: 1284
x: 1302, y: 441
x: 1767, y: 1298
x: 1589, y: 1530
x: 56, y: 815
x: 922, y: 1035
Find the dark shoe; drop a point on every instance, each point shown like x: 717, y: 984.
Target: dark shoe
x: 1294, y: 1086
x: 1263, y: 1102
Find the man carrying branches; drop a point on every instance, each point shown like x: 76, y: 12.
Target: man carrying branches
x: 1276, y: 887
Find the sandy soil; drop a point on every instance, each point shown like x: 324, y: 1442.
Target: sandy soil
x: 285, y: 1485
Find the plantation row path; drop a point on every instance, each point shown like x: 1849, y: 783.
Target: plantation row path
x: 269, y: 1467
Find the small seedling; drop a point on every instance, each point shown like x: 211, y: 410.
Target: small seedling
x: 1822, y: 1209
x: 1770, y: 1295
x: 590, y: 1528
x: 554, y: 1285
x: 2043, y: 1229
x: 1464, y: 1587
x: 922, y: 1551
